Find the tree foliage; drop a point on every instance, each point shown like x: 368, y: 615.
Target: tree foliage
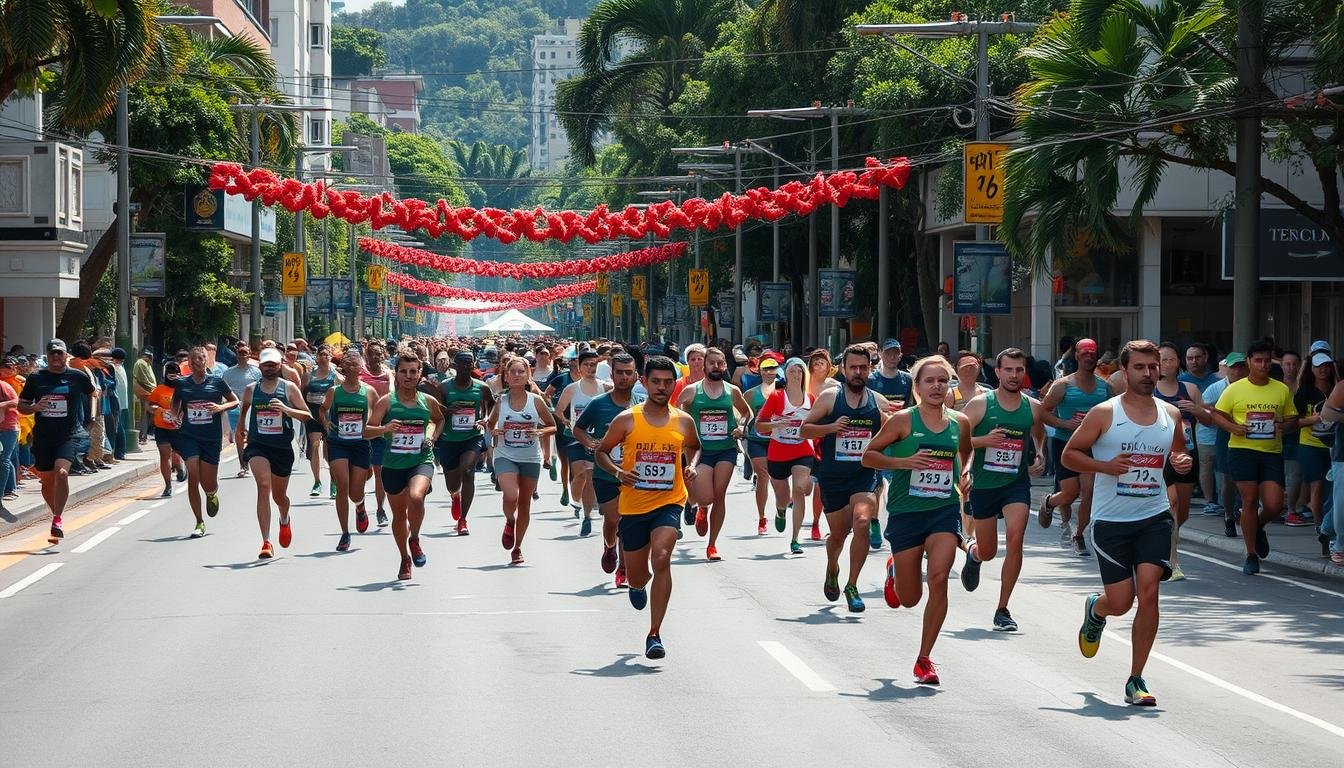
x: 356, y: 51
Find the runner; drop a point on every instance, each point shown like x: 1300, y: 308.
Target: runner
x: 380, y: 378
x: 316, y: 384
x: 655, y: 440
x: 1186, y: 399
x: 694, y: 355
x: 555, y: 387
x: 160, y: 401
x: 198, y: 401
x: 543, y: 368
x: 570, y: 407
x: 269, y: 408
x: 791, y: 457
x: 344, y: 415
x: 1008, y: 434
x: 1066, y: 403
x: 519, y: 423
x: 758, y: 443
x: 1125, y: 442
x: 819, y: 377
x: 925, y: 448
x: 414, y: 421
x: 62, y: 399
x: 238, y: 376
x: 845, y: 420
x: 589, y: 430
x: 718, y: 410
x: 1256, y: 411
x: 468, y: 403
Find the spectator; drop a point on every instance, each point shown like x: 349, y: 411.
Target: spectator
x: 143, y: 382
x: 9, y: 430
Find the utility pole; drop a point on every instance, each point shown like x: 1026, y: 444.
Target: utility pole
x: 254, y: 319
x: 299, y: 234
x: 883, y: 269
x: 1246, y: 240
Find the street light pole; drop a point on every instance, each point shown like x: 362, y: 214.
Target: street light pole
x: 299, y: 237
x: 254, y: 320
x: 738, y: 287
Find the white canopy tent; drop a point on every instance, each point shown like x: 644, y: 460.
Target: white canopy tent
x: 512, y: 321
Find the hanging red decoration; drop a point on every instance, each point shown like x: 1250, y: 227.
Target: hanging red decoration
x: 440, y: 218
x: 543, y: 296
x: 538, y: 269
x: 466, y: 310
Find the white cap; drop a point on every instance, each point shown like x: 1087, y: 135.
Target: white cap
x: 270, y: 355
x: 1320, y: 345
x: 1321, y: 358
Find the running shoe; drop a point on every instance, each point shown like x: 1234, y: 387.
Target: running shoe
x: 688, y: 514
x: 889, y: 585
x: 578, y: 511
x: 267, y: 551
x: 712, y: 554
x: 317, y: 489
x: 1261, y: 542
x: 621, y: 582
x: 404, y: 572
x: 462, y: 527
x: 381, y: 517
x: 564, y: 496
x: 609, y: 559
x: 167, y: 492
x: 1229, y: 528
x: 361, y: 518
x: 1080, y: 547
x: 701, y: 521
x: 586, y: 526
x: 1136, y: 693
x: 344, y: 544
x: 653, y: 647
x: 1296, y: 520
x: 516, y: 558
x: 1089, y: 635
x: 874, y: 534
x: 1045, y: 513
x: 795, y: 548
x: 831, y: 586
x: 57, y: 531
x: 638, y: 598
x: 550, y: 469
x: 926, y: 672
x: 1251, y: 566
x: 680, y: 533
x: 182, y: 474
x: 506, y: 540
x: 242, y: 472
x: 970, y: 571
x: 417, y: 554
x: 780, y: 521
x: 457, y: 506
x: 1003, y: 621
x: 816, y: 531
x: 1066, y: 535
x: 1177, y: 574
x: 1212, y: 509
x: 333, y: 489
x: 286, y: 533
x: 1337, y: 558
x: 852, y: 599
x: 760, y: 526
x: 212, y: 504
x: 198, y: 531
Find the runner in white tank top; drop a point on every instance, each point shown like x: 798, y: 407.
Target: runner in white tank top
x: 519, y: 422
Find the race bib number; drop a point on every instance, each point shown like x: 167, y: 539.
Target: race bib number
x: 713, y: 425
x: 350, y: 426
x: 409, y: 438
x: 1005, y: 458
x: 198, y: 412
x: 464, y: 420
x: 851, y: 443
x: 655, y: 470
x: 1144, y: 478
x: 1189, y: 433
x: 56, y: 407
x: 1260, y: 425
x: 792, y: 434
x: 270, y: 422
x: 934, y: 481
x: 317, y: 398
x: 517, y: 434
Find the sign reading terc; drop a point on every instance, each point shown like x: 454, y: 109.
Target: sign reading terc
x: 1292, y: 248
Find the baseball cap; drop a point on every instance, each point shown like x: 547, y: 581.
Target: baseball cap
x: 1086, y: 345
x: 147, y: 352
x: 1321, y: 358
x: 891, y: 344
x: 768, y: 363
x: 1320, y: 345
x: 1234, y: 358
x: 56, y: 345
x: 463, y: 357
x: 269, y: 355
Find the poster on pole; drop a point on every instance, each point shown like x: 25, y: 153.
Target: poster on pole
x: 699, y: 287
x: 727, y: 309
x: 982, y: 183
x: 394, y: 310
x: 616, y: 307
x: 374, y: 277
x: 371, y: 305
x: 603, y: 283
x: 148, y: 255
x: 587, y: 314
x: 318, y: 296
x: 293, y: 275
x: 836, y: 292
x: 638, y: 287
x: 983, y: 278
x: 775, y: 302
x: 343, y: 292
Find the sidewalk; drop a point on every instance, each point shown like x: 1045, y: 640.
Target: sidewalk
x: 29, y: 507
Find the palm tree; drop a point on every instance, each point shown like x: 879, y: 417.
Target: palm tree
x: 90, y: 47
x: 498, y: 168
x: 668, y: 38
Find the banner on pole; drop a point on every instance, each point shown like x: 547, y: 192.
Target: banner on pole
x: 982, y: 182
x: 699, y: 287
x: 293, y: 275
x: 149, y: 264
x: 775, y: 302
x: 603, y: 283
x: 983, y: 278
x: 836, y: 292
x: 638, y: 287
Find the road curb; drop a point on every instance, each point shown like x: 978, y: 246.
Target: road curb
x: 103, y: 483
x: 1220, y: 543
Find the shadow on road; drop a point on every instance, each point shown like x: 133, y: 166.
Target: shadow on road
x: 978, y: 633
x: 490, y: 567
x: 596, y: 590
x: 1096, y: 707
x: 43, y: 551
x: 621, y: 667
x: 243, y: 566
x: 771, y: 556
x: 379, y: 586
x: 890, y: 691
x: 167, y: 539
x: 827, y: 615
x: 328, y: 553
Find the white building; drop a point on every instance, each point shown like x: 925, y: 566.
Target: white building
x: 300, y: 32
x: 555, y: 58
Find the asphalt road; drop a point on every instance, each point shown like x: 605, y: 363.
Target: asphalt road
x: 150, y: 649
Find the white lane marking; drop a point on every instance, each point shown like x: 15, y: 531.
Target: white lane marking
x: 1238, y: 690
x: 30, y: 579
x: 1262, y: 575
x: 95, y: 540
x: 158, y: 504
x: 131, y: 518
x: 796, y: 666
x: 460, y: 597
x: 499, y: 613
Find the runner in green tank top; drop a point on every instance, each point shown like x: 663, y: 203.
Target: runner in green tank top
x: 409, y: 421
x: 1008, y: 435
x: 1065, y: 403
x: 345, y: 417
x: 925, y: 448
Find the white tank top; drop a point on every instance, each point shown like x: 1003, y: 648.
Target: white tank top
x: 1141, y: 492
x: 795, y: 415
x: 519, y: 442
x: 580, y: 400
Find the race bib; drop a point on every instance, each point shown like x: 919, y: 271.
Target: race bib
x: 655, y: 470
x: 1188, y: 431
x: 317, y: 398
x: 270, y: 423
x: 934, y: 481
x: 851, y: 443
x: 464, y: 420
x: 1005, y: 458
x: 713, y: 425
x: 198, y: 412
x: 517, y: 434
x: 1260, y: 425
x: 409, y: 438
x: 792, y: 434
x: 350, y: 426
x: 1144, y: 477
x: 56, y: 407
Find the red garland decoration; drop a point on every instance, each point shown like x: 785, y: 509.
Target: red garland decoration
x: 543, y: 296
x: 464, y: 310
x: 440, y: 218
x: 539, y: 269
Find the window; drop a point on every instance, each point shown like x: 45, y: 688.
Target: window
x: 316, y: 36
x: 317, y: 133
x: 317, y: 87
x: 552, y: 54
x: 274, y: 30
x: 569, y: 54
x: 541, y: 56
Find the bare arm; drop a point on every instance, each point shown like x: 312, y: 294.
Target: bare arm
x: 620, y: 427
x: 821, y: 408
x: 1053, y: 397
x: 1076, y: 452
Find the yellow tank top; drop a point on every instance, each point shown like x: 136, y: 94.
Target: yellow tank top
x: 654, y: 455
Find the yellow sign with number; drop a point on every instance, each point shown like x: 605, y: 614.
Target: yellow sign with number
x: 587, y: 314
x: 375, y: 276
x: 602, y: 283
x: 293, y: 275
x: 983, y: 182
x: 644, y: 311
x: 616, y: 306
x: 638, y: 287
x: 699, y: 288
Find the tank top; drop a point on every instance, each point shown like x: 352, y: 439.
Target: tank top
x: 795, y: 415
x: 519, y: 443
x: 1078, y: 401
x: 842, y: 452
x: 464, y: 408
x: 935, y: 486
x: 1187, y: 421
x: 266, y: 425
x: 379, y: 383
x: 577, y: 403
x: 653, y: 454
x: 1141, y: 492
x: 750, y: 380
x: 998, y: 466
x: 348, y: 414
x: 755, y: 398
x: 1322, y: 433
x: 408, y: 447
x: 715, y: 418
x: 315, y: 392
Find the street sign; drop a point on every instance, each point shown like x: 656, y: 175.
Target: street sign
x: 1293, y: 248
x: 982, y: 182
x: 616, y: 305
x: 775, y: 302
x: 374, y: 276
x: 587, y: 314
x: 293, y: 275
x: 644, y: 310
x: 835, y: 292
x: 638, y: 287
x: 982, y: 278
x: 394, y: 310
x: 699, y: 288
x: 149, y: 254
x: 273, y: 308
x: 603, y: 283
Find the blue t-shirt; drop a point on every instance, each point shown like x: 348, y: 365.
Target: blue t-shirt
x: 196, y: 421
x: 1202, y: 382
x: 897, y: 389
x: 1208, y: 434
x: 597, y: 417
